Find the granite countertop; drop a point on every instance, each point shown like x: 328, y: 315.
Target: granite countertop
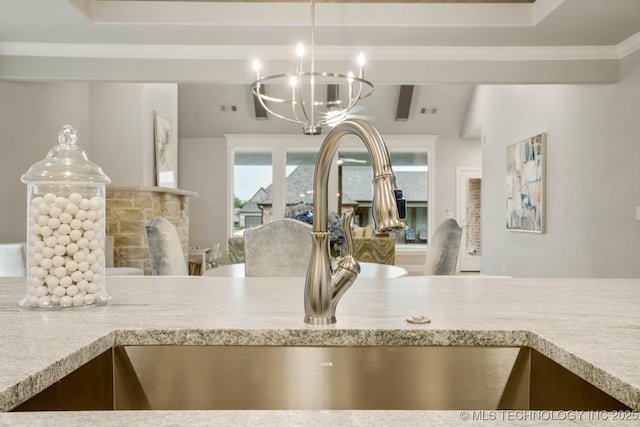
x: 590, y: 326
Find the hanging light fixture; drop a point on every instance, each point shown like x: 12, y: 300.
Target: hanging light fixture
x: 292, y: 96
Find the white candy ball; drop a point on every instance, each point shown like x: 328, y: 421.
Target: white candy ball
x: 75, y: 235
x: 84, y: 204
x: 94, y: 244
x: 89, y: 299
x: 34, y: 229
x: 71, y: 208
x: 60, y: 272
x: 51, y: 281
x: 41, y: 291
x: 55, y: 300
x: 72, y: 290
x: 51, y: 241
x: 93, y: 288
x: 89, y: 235
x: 88, y: 275
x: 36, y: 258
x: 81, y: 215
x: 87, y: 224
x: 75, y: 198
x: 83, y: 242
x: 33, y: 301
x: 43, y: 220
x: 78, y: 300
x: 71, y: 265
x: 65, y: 218
x: 76, y: 276
x: 43, y: 209
x: 64, y: 229
x: 37, y: 201
x: 55, y: 211
x: 76, y: 224
x: 83, y: 285
x: 91, y: 258
x: 92, y: 215
x: 49, y: 198
x: 39, y: 246
x: 66, y: 301
x: 61, y: 202
x: 58, y: 261
x: 97, y: 226
x: 96, y: 268
x: 59, y: 250
x: 53, y: 223
x: 72, y: 248
x: 59, y: 291
x: 64, y: 239
x: 40, y: 272
x: 98, y: 253
x: 96, y: 203
x: 46, y: 231
x: 46, y: 263
x: 47, y: 252
x: 79, y: 256
x: 83, y: 266
x: 66, y: 281
x: 36, y: 281
x: 44, y: 301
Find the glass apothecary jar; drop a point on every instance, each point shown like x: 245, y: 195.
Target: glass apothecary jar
x: 65, y: 229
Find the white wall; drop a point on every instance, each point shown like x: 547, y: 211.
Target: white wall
x: 203, y: 169
x: 31, y: 115
x: 592, y: 175
x: 451, y: 154
x: 122, y: 128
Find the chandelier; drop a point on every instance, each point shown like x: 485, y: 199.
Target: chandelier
x: 293, y: 96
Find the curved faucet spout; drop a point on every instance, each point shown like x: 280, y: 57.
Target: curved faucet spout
x: 324, y: 285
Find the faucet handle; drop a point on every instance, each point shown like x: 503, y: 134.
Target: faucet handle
x: 401, y: 204
x: 347, y: 220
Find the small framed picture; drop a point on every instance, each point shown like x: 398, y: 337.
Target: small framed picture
x: 166, y: 153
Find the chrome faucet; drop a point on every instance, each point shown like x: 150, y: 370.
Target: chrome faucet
x: 325, y: 285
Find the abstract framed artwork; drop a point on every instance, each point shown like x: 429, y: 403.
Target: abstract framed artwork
x: 166, y: 152
x: 525, y: 185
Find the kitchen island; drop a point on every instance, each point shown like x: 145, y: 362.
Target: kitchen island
x: 589, y: 326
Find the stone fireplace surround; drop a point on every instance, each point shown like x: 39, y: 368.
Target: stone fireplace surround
x: 129, y: 209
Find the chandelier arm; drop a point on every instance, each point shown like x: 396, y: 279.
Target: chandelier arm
x: 304, y: 110
x: 264, y: 105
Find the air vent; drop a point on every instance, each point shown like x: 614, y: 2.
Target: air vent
x: 261, y: 113
x: 404, y: 103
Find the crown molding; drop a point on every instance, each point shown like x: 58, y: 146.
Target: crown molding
x: 377, y: 53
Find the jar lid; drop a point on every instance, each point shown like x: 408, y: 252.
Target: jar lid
x: 66, y: 162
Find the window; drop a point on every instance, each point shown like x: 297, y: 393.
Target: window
x: 355, y: 189
x: 274, y: 172
x: 252, y: 178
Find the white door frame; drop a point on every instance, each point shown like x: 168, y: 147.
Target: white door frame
x: 465, y: 261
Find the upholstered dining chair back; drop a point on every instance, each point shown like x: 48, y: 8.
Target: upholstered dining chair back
x: 12, y: 260
x: 165, y: 248
x: 442, y: 252
x: 277, y: 249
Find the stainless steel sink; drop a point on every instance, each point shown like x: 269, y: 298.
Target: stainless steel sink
x: 297, y: 377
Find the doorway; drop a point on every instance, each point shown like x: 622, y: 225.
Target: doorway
x: 468, y: 206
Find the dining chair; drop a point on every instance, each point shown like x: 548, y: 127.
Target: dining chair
x: 165, y: 248
x: 442, y: 252
x: 278, y: 248
x: 12, y: 260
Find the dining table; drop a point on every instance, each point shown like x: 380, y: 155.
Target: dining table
x: 367, y: 269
